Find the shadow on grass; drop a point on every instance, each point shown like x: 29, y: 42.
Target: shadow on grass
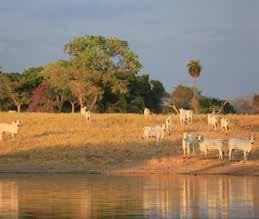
x: 48, y: 133
x: 101, y: 158
x: 95, y: 157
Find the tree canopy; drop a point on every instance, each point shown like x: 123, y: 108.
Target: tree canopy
x: 14, y: 86
x: 182, y: 97
x: 98, y: 63
x: 194, y: 68
x: 101, y: 73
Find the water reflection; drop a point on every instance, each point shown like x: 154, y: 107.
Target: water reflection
x: 155, y: 196
x: 8, y: 199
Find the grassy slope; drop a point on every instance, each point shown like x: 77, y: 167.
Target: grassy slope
x: 112, y: 142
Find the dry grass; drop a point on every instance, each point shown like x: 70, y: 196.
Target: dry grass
x: 66, y: 142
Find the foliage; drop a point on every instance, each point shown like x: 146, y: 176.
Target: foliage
x: 142, y: 93
x: 207, y: 105
x: 33, y: 77
x: 101, y: 73
x: 57, y: 77
x: 182, y: 96
x: 97, y: 63
x: 157, y: 92
x: 244, y: 105
x: 41, y: 101
x: 256, y: 102
x: 14, y: 86
x: 194, y: 68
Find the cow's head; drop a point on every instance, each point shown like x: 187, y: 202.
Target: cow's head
x: 199, y: 138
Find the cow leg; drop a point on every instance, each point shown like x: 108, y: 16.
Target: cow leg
x: 245, y: 155
x: 220, y: 155
x: 157, y: 140
x: 205, y: 153
x: 230, y: 154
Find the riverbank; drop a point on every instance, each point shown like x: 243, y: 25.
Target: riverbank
x: 65, y: 143
x: 165, y: 165
x: 193, y: 166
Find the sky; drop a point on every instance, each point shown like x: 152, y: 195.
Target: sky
x: 222, y: 34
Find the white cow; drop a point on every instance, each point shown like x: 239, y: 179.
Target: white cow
x: 186, y: 116
x: 83, y: 110
x: 146, y: 112
x: 243, y: 144
x: 213, y: 121
x: 188, y: 142
x: 224, y: 124
x: 9, y: 128
x: 207, y: 144
x: 157, y: 132
x: 168, y: 124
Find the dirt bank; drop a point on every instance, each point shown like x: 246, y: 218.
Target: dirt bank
x: 163, y: 165
x: 194, y: 165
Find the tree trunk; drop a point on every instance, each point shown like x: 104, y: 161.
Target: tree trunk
x: 47, y: 105
x: 81, y: 101
x: 59, y: 107
x: 195, y: 107
x: 60, y: 102
x: 18, y: 106
x: 94, y: 100
x: 72, y: 106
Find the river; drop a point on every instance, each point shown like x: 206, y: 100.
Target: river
x: 151, y: 196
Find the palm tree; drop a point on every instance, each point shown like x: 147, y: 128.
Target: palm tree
x: 194, y: 68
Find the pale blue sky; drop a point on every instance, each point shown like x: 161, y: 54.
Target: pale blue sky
x: 223, y: 34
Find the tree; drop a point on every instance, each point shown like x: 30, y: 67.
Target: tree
x: 157, y: 93
x: 182, y: 96
x: 98, y: 62
x: 194, y: 68
x: 15, y: 87
x: 33, y: 77
x: 244, y: 105
x: 139, y: 93
x: 57, y: 76
x: 41, y: 101
x: 209, y: 104
x: 256, y: 102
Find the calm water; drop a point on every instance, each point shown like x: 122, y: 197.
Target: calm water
x: 154, y: 196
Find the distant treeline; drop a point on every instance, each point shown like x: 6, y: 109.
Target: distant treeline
x: 100, y: 73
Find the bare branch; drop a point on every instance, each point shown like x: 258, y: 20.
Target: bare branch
x: 222, y: 106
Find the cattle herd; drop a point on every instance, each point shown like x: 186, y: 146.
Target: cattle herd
x: 205, y: 144
x: 188, y: 141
